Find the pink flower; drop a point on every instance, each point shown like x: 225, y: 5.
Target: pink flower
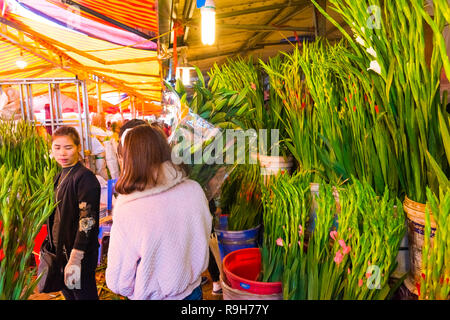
x: 280, y: 242
x: 342, y: 243
x: 338, y: 258
x: 333, y: 235
x: 300, y: 244
x: 253, y: 86
x: 360, y: 282
x: 300, y: 230
x: 348, y: 271
x: 346, y: 250
x: 368, y: 274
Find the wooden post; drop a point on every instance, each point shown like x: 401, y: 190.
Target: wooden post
x: 320, y: 22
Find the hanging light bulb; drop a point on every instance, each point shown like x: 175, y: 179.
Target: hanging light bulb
x: 208, y: 12
x: 21, y: 63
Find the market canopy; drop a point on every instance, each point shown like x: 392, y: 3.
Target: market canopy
x: 60, y: 52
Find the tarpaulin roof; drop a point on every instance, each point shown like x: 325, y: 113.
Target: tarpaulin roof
x: 137, y: 14
x: 72, y: 18
x: 58, y: 52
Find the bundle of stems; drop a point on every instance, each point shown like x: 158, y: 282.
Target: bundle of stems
x: 434, y: 284
x: 246, y: 76
x: 389, y: 43
x: 26, y: 201
x: 286, y: 203
x: 241, y: 197
x: 354, y: 141
x: 353, y: 262
x: 295, y: 112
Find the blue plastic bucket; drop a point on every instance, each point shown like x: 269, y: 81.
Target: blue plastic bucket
x: 230, y: 241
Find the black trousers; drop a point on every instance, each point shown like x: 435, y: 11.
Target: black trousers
x: 213, y: 269
x: 88, y: 289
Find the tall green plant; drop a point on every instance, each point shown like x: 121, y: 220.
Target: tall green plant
x: 296, y: 112
x: 389, y: 43
x: 26, y: 201
x: 353, y: 262
x: 434, y: 283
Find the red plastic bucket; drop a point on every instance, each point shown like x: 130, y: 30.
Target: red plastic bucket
x: 242, y: 268
x: 38, y: 242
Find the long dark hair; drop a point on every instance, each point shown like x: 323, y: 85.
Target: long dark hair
x: 144, y: 151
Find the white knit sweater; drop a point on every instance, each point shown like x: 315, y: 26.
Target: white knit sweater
x: 158, y: 245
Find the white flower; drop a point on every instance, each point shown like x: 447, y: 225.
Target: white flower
x: 371, y: 51
x: 374, y: 66
x: 363, y: 30
x: 360, y: 41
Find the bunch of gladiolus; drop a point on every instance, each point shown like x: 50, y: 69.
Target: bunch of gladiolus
x: 26, y: 200
x: 353, y: 262
x: 241, y: 197
x: 388, y: 45
x: 434, y: 284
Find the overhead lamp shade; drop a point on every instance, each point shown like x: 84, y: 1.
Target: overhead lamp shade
x: 208, y: 13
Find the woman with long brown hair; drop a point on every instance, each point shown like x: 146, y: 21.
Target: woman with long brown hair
x: 158, y: 245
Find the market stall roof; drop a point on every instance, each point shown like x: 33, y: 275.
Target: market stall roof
x: 261, y: 28
x: 61, y: 52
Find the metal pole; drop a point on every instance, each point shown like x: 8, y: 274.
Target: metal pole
x: 99, y: 96
x: 86, y: 114
x: 30, y: 109
x: 80, y: 123
x: 50, y: 98
x: 58, y: 102
x: 21, y: 101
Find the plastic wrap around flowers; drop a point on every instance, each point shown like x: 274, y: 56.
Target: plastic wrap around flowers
x: 196, y: 143
x: 172, y: 107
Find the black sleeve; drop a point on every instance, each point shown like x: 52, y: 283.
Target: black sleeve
x: 88, y: 192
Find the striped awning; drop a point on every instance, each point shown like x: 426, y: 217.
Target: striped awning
x: 136, y: 14
x: 61, y: 53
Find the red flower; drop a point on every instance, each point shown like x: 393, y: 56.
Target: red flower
x: 354, y: 108
x: 418, y: 288
x: 423, y: 275
x: 2, y: 255
x: 253, y: 86
x: 345, y: 99
x: 303, y: 105
x: 351, y: 96
x: 376, y: 109
x: 365, y: 97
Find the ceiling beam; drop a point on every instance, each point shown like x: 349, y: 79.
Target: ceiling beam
x: 253, y: 10
x: 256, y: 27
x: 40, y: 67
x: 261, y: 36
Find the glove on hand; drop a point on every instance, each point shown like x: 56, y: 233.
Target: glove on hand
x: 72, y: 271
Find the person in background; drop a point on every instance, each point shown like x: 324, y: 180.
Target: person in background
x: 128, y: 125
x: 74, y: 224
x: 159, y: 239
x: 10, y: 103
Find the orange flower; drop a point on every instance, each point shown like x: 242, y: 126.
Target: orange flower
x: 376, y: 109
